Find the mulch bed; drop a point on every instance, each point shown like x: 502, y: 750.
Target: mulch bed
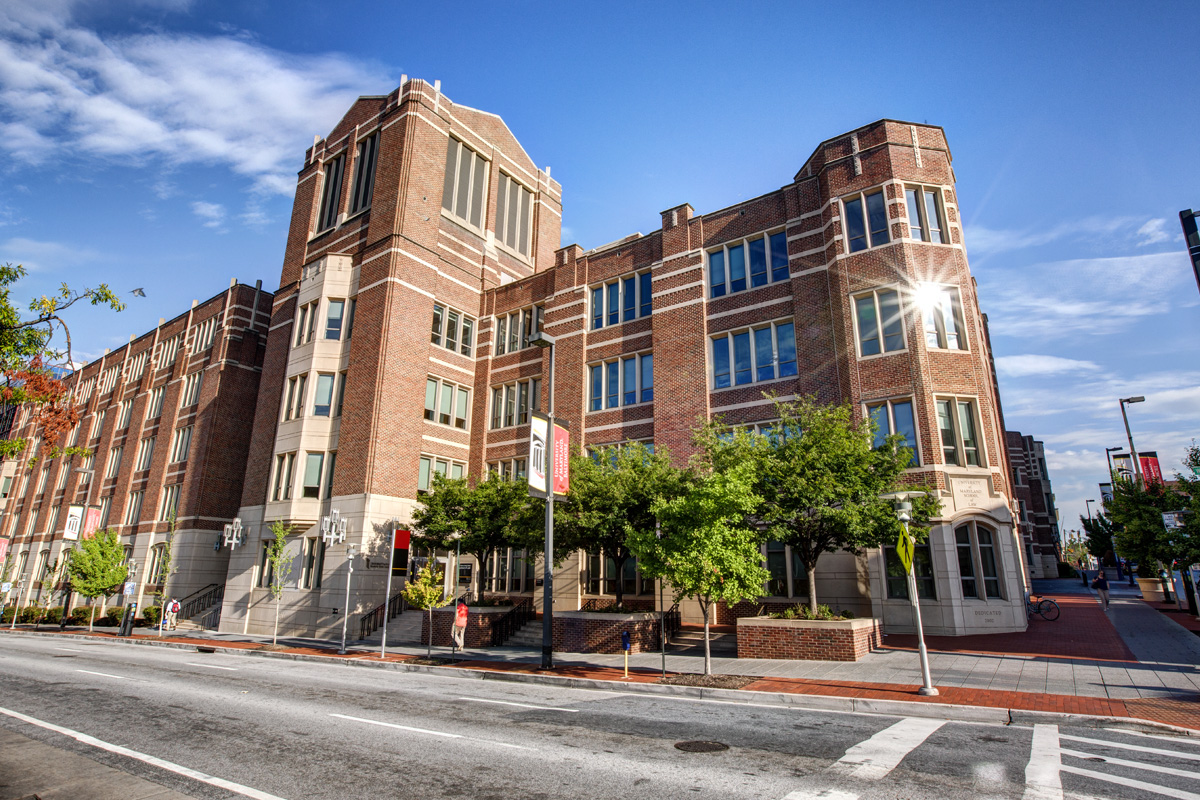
x: 710, y: 681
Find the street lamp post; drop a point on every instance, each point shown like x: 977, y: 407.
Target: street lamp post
x: 1137, y: 464
x: 902, y: 502
x: 1108, y: 451
x: 1088, y: 503
x: 333, y: 531
x: 545, y: 340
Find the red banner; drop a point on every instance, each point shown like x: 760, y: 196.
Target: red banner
x: 1151, y: 472
x: 3, y: 548
x: 401, y: 540
x: 91, y: 520
x: 562, y: 459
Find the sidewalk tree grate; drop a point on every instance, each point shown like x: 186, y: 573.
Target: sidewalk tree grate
x: 701, y: 747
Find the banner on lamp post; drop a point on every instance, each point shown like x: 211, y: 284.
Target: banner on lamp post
x: 539, y: 444
x: 562, y: 458
x: 1151, y: 471
x: 74, y: 523
x: 91, y: 520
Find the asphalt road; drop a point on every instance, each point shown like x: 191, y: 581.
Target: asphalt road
x: 217, y: 726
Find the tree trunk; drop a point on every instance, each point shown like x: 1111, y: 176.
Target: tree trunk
x: 618, y: 589
x: 92, y: 620
x: 275, y: 632
x: 429, y: 648
x: 705, y: 605
x: 812, y: 587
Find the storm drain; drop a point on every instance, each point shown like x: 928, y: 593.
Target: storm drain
x: 701, y: 747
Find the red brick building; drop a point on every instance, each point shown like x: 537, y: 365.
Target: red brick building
x: 167, y: 418
x: 1036, y: 509
x: 424, y: 248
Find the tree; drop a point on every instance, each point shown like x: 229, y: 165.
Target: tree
x: 611, y: 496
x: 1099, y: 530
x: 28, y: 353
x: 279, y: 561
x: 478, y: 519
x: 167, y: 568
x: 98, y: 567
x: 426, y: 594
x: 706, y: 549
x: 820, y: 478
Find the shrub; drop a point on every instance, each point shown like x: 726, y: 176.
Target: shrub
x: 53, y: 616
x: 29, y: 614
x: 80, y: 615
x: 1065, y: 570
x: 802, y: 611
x: 112, y: 616
x: 151, y: 614
x: 6, y: 616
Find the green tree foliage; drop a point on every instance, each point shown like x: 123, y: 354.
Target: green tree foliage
x: 1099, y: 531
x: 279, y: 560
x: 97, y: 567
x: 820, y: 478
x: 1138, y: 530
x: 492, y: 513
x: 706, y: 549
x: 426, y: 593
x: 28, y: 351
x: 611, y: 496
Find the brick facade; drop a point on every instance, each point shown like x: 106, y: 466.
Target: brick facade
x: 807, y: 640
x: 1035, y: 502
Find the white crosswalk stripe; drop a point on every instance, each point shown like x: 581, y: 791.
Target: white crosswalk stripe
x: 1043, y: 775
x: 879, y: 755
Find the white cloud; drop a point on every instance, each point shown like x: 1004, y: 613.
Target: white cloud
x: 66, y: 90
x: 1153, y: 232
x: 1025, y: 365
x: 213, y: 214
x: 983, y: 241
x: 39, y: 256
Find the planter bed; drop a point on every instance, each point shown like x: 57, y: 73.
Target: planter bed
x: 810, y: 640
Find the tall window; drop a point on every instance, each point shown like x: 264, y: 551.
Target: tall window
x: 105, y: 507
x: 977, y: 562
x: 168, y: 351
x: 284, y: 464
x: 313, y: 555
x: 446, y: 403
x: 514, y: 329
x: 866, y: 221
x: 452, y: 329
x: 364, y: 173
x: 748, y: 263
x: 622, y: 382
x: 182, y: 444
x: 61, y: 481
x: 512, y: 402
x: 622, y: 300
x: 897, y: 578
x: 98, y: 423
x: 943, y: 317
x: 788, y: 578
x: 136, y: 366
x: 114, y: 461
x: 145, y: 453
x: 158, y: 566
x: 203, y: 333
x: 312, y: 474
x: 895, y: 416
x: 341, y: 395
x: 465, y: 185
x: 331, y: 193
x: 125, y: 414
x: 191, y: 389
x: 133, y: 508
x: 170, y: 502
x: 509, y: 468
x: 42, y: 478
x: 333, y: 319
x: 156, y: 403
x: 751, y: 356
x: 294, y: 405
x: 306, y: 322
x: 925, y: 218
x: 956, y: 423
x: 514, y: 214
x: 880, y: 324
x: 323, y: 402
x: 329, y: 473
x: 442, y: 466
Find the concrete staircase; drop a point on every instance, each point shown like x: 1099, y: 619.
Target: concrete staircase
x: 402, y: 629
x: 530, y: 635
x: 687, y: 642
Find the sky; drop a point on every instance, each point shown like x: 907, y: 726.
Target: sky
x: 154, y: 144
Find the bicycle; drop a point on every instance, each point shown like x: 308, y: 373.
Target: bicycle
x: 1044, y: 607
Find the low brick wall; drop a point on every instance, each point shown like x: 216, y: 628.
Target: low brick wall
x: 809, y: 640
x: 589, y: 632
x: 479, y: 625
x: 730, y: 614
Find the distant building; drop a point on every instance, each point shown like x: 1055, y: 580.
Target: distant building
x: 1038, y: 515
x: 168, y: 419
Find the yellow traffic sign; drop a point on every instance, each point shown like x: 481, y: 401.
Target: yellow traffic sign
x: 904, y: 549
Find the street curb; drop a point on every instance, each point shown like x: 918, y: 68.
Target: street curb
x: 848, y: 705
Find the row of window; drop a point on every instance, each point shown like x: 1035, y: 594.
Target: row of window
x: 754, y: 355
x: 879, y: 319
x: 514, y: 329
x: 867, y: 223
x: 326, y: 402
x: 511, y: 403
x: 317, y: 477
x: 312, y: 564
x: 166, y: 353
x: 339, y: 316
x: 622, y: 382
x: 365, y: 157
x: 621, y: 300
x: 452, y: 329
x: 765, y: 256
x: 464, y: 196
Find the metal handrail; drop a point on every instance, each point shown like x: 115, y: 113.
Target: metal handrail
x: 512, y: 621
x: 212, y: 619
x: 202, y: 601
x: 373, y: 620
x: 671, y: 622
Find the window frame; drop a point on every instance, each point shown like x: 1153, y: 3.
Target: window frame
x: 889, y: 416
x: 751, y: 331
x: 961, y: 451
x: 501, y: 415
x: 769, y: 256
x: 879, y: 321
x: 435, y: 413
x: 513, y: 328
x: 936, y: 316
x: 604, y: 368
x: 926, y: 231
x: 524, y: 227
x: 363, y: 188
x: 979, y: 563
x: 330, y: 206
x: 427, y: 464
x: 923, y: 556
x: 602, y: 309
x: 476, y: 201
x: 863, y: 199
x: 465, y: 328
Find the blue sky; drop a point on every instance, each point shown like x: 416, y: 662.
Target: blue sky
x: 155, y: 144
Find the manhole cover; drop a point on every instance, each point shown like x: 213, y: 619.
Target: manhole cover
x: 701, y: 747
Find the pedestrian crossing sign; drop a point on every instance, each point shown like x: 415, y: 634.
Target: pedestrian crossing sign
x: 904, y: 549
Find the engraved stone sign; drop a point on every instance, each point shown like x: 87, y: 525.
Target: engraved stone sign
x: 970, y: 493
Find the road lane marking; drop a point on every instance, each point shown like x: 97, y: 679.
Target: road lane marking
x: 1042, y: 778
x: 820, y: 794
x: 187, y: 772
x: 69, y: 649
x: 520, y: 705
x: 1172, y: 739
x: 210, y: 666
x: 103, y: 674
x: 1136, y: 747
x: 442, y: 734
x: 879, y: 755
x: 1121, y: 762
x: 1178, y: 794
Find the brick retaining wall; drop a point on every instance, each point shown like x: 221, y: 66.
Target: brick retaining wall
x: 588, y: 632
x: 811, y: 640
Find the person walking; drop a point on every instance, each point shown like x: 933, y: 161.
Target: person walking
x: 1101, y: 587
x: 172, y: 614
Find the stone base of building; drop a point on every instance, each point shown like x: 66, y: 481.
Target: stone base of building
x: 809, y: 640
